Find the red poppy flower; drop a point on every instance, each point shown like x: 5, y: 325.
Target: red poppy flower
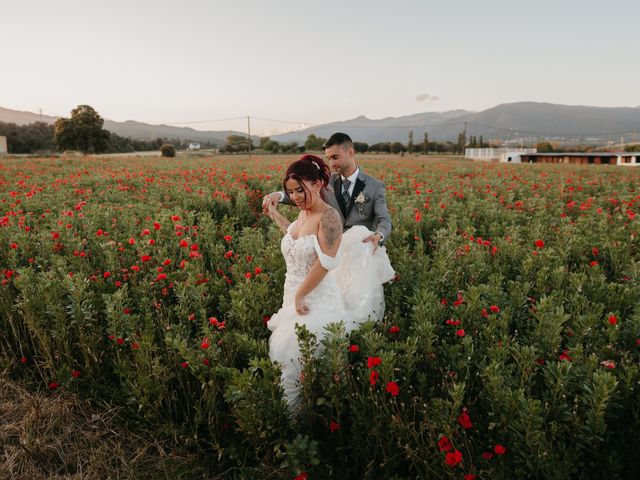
x: 499, y: 449
x: 487, y: 455
x: 539, y: 243
x: 444, y: 444
x: 373, y: 362
x: 373, y: 377
x: 227, y: 238
x: 394, y: 329
x: 393, y: 389
x: 75, y: 373
x: 205, y: 343
x: 453, y: 458
x: 333, y: 426
x: 494, y: 309
x: 301, y: 476
x: 612, y: 319
x: 354, y: 348
x: 465, y: 420
x: 460, y: 332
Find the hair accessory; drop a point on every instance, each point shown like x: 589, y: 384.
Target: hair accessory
x: 317, y: 166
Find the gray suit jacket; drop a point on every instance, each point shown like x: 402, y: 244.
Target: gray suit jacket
x: 368, y: 209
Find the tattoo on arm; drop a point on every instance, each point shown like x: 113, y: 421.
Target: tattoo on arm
x: 331, y: 226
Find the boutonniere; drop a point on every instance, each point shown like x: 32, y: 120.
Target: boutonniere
x: 361, y: 198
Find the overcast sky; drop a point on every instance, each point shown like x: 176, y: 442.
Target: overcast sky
x: 312, y: 62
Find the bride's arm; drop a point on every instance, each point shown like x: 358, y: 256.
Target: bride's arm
x: 277, y: 217
x: 329, y: 236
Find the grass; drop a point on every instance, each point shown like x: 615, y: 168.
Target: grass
x: 62, y: 437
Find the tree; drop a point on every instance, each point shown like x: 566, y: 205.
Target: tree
x: 544, y: 147
x: 462, y: 142
x: 360, y: 147
x: 236, y: 143
x: 396, y: 147
x: 410, y: 143
x: 83, y: 131
x: 383, y: 147
x: 168, y: 150
x: 314, y: 143
x: 425, y: 143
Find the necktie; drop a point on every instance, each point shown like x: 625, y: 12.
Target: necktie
x: 345, y: 191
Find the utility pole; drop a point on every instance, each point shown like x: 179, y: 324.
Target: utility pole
x: 249, y: 130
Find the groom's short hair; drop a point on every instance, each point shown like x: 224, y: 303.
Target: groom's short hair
x: 338, y: 138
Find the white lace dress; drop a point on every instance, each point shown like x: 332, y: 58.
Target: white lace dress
x: 350, y: 292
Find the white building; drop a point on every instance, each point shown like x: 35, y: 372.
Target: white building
x: 194, y: 146
x: 3, y: 146
x: 502, y: 154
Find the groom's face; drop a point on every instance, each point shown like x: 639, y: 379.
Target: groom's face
x: 341, y: 159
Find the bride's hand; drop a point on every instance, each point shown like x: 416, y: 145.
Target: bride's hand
x: 270, y: 202
x: 301, y: 308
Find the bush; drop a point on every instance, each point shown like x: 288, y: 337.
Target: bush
x: 168, y: 150
x: 509, y: 349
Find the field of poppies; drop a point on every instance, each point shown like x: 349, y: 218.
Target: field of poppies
x: 510, y: 346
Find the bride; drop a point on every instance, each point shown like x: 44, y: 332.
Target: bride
x: 330, y: 277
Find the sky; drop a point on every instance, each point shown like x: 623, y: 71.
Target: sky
x: 292, y: 63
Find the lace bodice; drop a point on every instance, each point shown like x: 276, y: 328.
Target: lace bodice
x: 300, y: 254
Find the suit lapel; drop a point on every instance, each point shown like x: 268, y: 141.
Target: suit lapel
x: 359, y: 186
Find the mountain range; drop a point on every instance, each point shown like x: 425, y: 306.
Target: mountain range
x: 529, y: 121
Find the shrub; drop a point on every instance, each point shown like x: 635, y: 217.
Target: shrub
x: 168, y: 150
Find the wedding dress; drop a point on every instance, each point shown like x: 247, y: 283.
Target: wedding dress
x: 350, y: 292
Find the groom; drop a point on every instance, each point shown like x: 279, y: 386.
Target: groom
x: 358, y: 197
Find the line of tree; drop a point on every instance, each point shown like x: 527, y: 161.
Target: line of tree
x: 82, y: 132
x: 237, y: 143
x: 33, y: 138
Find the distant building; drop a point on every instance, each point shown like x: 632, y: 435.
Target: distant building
x: 595, y: 158
x: 3, y: 146
x: 194, y: 146
x: 502, y: 154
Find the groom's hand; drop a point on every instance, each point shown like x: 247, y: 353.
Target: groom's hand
x: 374, y: 240
x: 269, y: 201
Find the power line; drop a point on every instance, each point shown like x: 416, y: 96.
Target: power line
x: 205, y: 121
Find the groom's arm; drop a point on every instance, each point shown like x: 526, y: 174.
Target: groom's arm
x: 382, y: 219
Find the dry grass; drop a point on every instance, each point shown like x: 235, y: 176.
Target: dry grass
x: 59, y: 437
